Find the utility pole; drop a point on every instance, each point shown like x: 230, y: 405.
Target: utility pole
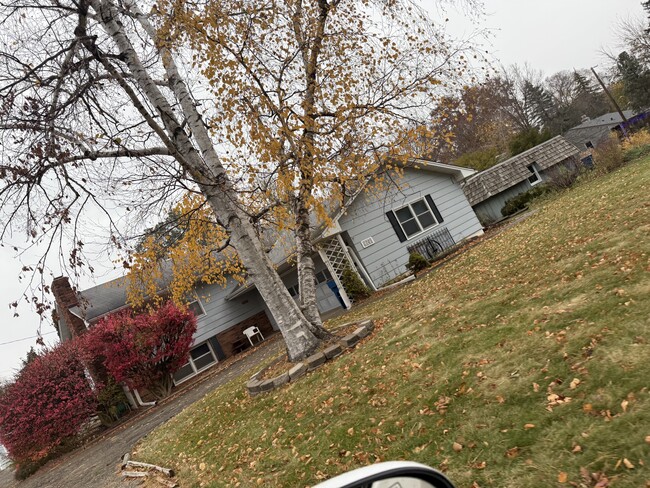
x: 618, y: 109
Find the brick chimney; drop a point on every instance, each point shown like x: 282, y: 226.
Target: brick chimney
x: 66, y: 298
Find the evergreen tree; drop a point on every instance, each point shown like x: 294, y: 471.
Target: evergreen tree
x: 636, y: 80
x: 541, y: 106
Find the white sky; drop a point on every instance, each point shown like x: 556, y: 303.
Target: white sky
x: 549, y: 35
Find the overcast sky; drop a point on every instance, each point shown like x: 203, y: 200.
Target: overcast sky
x: 550, y: 35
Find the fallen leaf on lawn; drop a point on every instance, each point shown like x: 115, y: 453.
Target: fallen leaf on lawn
x: 618, y: 464
x: 535, y: 387
x: 500, y: 399
x: 480, y: 465
x: 512, y: 453
x: 562, y: 477
x: 202, y: 466
x: 647, y: 439
x: 576, y: 448
x: 628, y: 464
x: 574, y: 383
x: 351, y: 431
x: 587, y: 407
x: 457, y: 447
x: 624, y: 405
x: 529, y: 426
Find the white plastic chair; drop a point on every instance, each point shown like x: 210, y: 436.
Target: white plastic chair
x: 252, y: 332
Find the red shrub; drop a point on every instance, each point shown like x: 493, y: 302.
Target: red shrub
x: 48, y: 403
x: 143, y: 350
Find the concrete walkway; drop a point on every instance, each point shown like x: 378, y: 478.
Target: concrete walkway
x: 97, y: 463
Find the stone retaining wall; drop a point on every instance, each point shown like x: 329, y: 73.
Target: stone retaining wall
x: 255, y: 386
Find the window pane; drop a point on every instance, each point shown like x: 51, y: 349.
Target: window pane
x: 404, y: 214
x: 199, y: 351
x: 184, y: 371
x: 411, y: 227
x: 426, y: 220
x: 203, y: 361
x: 420, y: 207
x: 195, y: 308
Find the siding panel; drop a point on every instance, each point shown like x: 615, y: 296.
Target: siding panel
x: 366, y: 217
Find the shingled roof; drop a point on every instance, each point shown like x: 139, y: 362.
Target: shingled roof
x: 504, y: 175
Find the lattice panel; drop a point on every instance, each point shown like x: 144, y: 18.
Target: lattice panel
x: 337, y: 256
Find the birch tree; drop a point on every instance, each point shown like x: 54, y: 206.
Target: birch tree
x: 312, y: 95
x: 93, y: 101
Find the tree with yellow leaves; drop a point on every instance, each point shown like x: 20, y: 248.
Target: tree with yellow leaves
x: 311, y: 96
x: 188, y: 248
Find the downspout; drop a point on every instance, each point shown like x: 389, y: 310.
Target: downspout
x: 139, y: 400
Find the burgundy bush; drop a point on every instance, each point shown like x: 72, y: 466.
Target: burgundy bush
x: 49, y: 402
x: 143, y: 351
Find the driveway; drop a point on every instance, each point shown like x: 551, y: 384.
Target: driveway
x: 96, y: 464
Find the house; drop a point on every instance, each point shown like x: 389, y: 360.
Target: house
x: 489, y: 190
x: 592, y: 132
x: 372, y: 234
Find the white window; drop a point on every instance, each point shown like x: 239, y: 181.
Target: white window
x: 534, y: 178
x: 196, y: 308
x: 415, y: 218
x: 200, y: 358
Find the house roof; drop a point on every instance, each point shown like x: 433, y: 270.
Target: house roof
x: 100, y: 300
x: 504, y: 175
x: 595, y: 130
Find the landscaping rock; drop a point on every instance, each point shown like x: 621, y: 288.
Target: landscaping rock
x: 361, y: 332
x: 315, y: 360
x: 333, y: 351
x: 368, y: 324
x: 266, y: 385
x: 297, y: 371
x: 349, y: 340
x: 253, y: 386
x: 283, y: 379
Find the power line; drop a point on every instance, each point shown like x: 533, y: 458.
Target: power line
x: 26, y: 338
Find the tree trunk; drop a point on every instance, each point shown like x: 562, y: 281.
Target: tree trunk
x: 208, y: 172
x: 306, y: 273
x: 304, y: 247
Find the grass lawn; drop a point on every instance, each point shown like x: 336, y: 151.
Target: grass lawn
x: 525, y: 362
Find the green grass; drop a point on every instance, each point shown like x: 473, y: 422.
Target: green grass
x: 456, y: 357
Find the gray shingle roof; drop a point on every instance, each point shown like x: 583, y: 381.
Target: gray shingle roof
x: 504, y: 175
x: 595, y: 130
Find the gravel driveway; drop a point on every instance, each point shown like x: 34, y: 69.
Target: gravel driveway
x: 96, y: 464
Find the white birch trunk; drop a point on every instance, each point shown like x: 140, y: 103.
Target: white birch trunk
x: 210, y: 175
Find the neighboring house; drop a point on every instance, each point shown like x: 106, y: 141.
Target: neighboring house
x: 592, y: 132
x: 371, y: 235
x: 489, y: 190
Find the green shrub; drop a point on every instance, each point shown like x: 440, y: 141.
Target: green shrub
x: 417, y: 263
x: 354, y: 286
x: 521, y: 201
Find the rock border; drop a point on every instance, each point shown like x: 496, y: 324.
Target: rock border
x: 255, y: 386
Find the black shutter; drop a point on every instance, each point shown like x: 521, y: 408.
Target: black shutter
x: 398, y: 229
x: 216, y: 347
x: 434, y: 209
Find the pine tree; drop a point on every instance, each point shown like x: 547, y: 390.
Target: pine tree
x: 636, y: 80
